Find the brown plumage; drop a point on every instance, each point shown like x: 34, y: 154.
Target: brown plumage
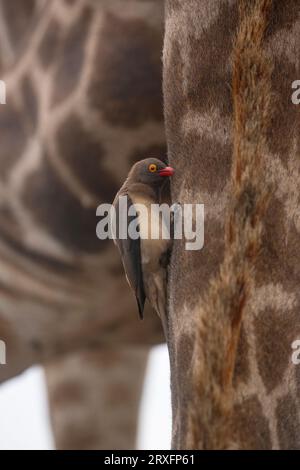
x: 145, y: 259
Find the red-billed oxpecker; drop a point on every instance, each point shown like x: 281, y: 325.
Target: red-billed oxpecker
x: 145, y: 258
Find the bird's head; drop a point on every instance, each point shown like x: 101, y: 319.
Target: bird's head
x: 151, y: 171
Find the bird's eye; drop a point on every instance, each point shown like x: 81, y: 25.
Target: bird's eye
x: 152, y: 168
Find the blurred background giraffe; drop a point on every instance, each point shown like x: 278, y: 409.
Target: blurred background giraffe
x: 84, y: 102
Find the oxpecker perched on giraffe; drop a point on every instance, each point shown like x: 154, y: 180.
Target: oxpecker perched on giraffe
x: 145, y: 258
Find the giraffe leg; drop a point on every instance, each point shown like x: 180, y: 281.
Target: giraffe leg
x: 94, y: 398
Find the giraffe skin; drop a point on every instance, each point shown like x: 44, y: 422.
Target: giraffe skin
x: 202, y: 109
x: 76, y: 119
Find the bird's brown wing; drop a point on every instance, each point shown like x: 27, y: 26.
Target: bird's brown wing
x: 131, y: 257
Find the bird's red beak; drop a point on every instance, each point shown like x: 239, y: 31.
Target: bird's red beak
x: 167, y: 171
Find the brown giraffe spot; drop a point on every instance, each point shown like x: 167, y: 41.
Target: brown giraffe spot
x: 126, y: 83
x: 288, y: 426
x: 211, y: 158
x: 182, y: 376
x: 184, y: 353
x: 297, y: 377
x: 242, y: 367
x: 279, y: 258
x: 116, y: 270
x: 30, y: 103
x: 49, y: 45
x: 70, y: 64
x: 197, y: 267
x: 36, y: 345
x: 8, y: 221
x: 284, y: 73
x: 155, y: 150
x: 13, y: 137
x: 59, y: 212
x: 118, y: 393
x: 22, y: 250
x: 104, y: 359
x: 84, y: 154
x: 174, y: 105
x: 83, y: 433
x: 6, y: 290
x: 67, y: 392
x: 208, y: 73
x: 70, y: 2
x: 250, y: 425
x: 274, y: 334
x: 17, y: 16
x: 292, y: 254
x: 283, y: 14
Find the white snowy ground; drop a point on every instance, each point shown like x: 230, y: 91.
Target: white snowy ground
x: 24, y: 419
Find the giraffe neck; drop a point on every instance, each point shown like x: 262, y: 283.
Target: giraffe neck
x: 226, y: 389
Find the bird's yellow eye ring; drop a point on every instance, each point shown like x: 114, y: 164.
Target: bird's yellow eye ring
x: 152, y: 168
